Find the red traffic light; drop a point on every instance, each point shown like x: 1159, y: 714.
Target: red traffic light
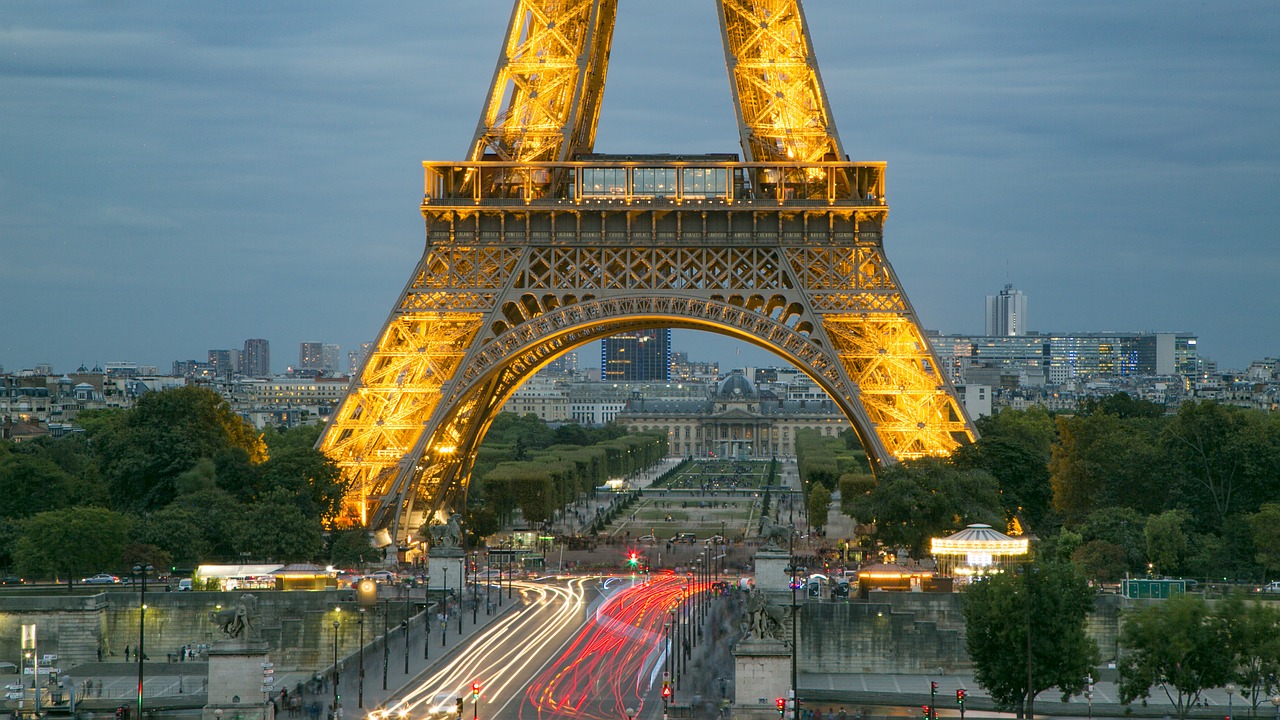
x: 961, y: 695
x: 666, y: 692
x: 926, y: 712
x: 782, y: 706
x: 933, y: 686
x: 475, y: 690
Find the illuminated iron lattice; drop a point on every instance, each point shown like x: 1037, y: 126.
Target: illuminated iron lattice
x: 535, y: 247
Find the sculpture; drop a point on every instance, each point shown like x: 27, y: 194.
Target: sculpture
x: 772, y: 535
x: 240, y: 621
x: 448, y: 535
x: 764, y: 619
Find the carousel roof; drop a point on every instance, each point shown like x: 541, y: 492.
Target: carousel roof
x: 979, y: 538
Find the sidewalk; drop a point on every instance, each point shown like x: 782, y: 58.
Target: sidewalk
x: 317, y: 690
x: 851, y: 691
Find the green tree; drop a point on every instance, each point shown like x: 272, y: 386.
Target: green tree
x: 1103, y: 461
x: 819, y: 507
x: 275, y: 528
x: 217, y: 516
x: 1015, y: 447
x: 926, y: 498
x: 1025, y: 633
x: 1224, y: 459
x: 1168, y: 545
x: 71, y: 542
x: 1254, y: 631
x: 1176, y: 645
x: 30, y: 484
x: 1100, y: 560
x: 1122, y: 527
x: 176, y: 530
x: 1265, y: 527
x: 166, y: 433
x: 351, y: 548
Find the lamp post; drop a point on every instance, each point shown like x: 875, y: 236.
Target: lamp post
x: 795, y: 686
x: 386, y: 645
x: 462, y: 590
x: 141, y: 571
x: 334, y: 709
x: 426, y: 617
x: 1231, y: 696
x: 444, y: 616
x: 360, y: 672
x: 1275, y: 702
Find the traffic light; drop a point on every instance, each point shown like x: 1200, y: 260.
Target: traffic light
x: 666, y: 691
x: 120, y: 713
x: 926, y: 712
x: 633, y: 560
x: 475, y: 691
x: 933, y: 686
x: 459, y: 707
x: 782, y: 706
x: 960, y: 696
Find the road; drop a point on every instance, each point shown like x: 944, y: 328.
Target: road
x: 586, y: 648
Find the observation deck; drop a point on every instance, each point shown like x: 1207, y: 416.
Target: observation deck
x: 655, y: 180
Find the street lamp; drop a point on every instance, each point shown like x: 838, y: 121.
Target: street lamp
x: 1275, y: 702
x: 360, y: 674
x: 334, y: 709
x: 140, y: 570
x: 1231, y: 695
x: 426, y: 616
x: 444, y: 617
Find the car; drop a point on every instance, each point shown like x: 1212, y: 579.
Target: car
x: 715, y: 540
x: 11, y: 580
x: 443, y: 705
x: 184, y: 585
x: 647, y: 539
x: 683, y: 538
x: 382, y: 577
x: 1272, y: 587
x: 101, y: 579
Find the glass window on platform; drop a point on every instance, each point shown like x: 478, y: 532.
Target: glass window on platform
x: 706, y: 182
x: 654, y: 182
x: 604, y: 182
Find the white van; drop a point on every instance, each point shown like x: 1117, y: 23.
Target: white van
x: 184, y: 585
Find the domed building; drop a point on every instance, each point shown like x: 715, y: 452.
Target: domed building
x: 736, y: 420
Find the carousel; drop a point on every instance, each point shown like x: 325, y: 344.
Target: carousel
x: 978, y: 550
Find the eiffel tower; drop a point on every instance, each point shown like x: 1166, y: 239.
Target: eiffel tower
x: 536, y: 245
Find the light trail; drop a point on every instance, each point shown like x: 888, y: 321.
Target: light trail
x: 489, y: 661
x: 612, y: 663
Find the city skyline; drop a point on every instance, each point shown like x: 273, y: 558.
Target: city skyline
x: 181, y: 179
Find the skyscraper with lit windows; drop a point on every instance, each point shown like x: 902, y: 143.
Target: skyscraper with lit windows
x: 640, y: 356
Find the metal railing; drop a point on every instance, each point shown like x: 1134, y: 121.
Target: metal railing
x: 649, y: 182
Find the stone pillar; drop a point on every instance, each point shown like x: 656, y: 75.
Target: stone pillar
x: 762, y: 674
x: 771, y: 571
x: 236, y: 686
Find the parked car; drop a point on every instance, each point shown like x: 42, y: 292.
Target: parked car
x: 101, y: 579
x: 647, y: 539
x: 684, y: 538
x: 184, y: 585
x: 382, y: 577
x: 715, y: 540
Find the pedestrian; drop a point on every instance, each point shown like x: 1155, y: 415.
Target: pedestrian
x: 126, y: 653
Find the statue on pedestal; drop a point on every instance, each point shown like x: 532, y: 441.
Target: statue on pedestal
x: 446, y: 538
x: 764, y: 620
x: 774, y: 536
x: 241, y: 621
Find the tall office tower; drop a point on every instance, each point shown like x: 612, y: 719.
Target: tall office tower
x: 1007, y: 313
x: 566, y: 364
x: 329, y: 358
x: 310, y: 356
x: 355, y: 357
x: 255, y: 361
x: 224, y: 362
x: 641, y: 356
